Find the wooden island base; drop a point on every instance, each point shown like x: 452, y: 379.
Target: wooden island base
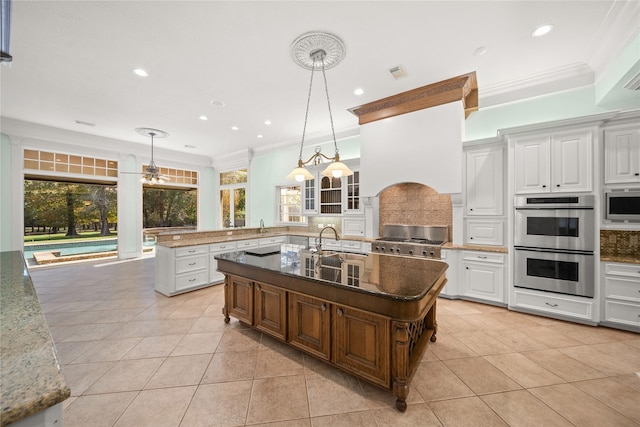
x: 374, y: 337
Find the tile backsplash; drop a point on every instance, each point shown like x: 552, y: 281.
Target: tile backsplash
x: 415, y: 204
x: 620, y: 243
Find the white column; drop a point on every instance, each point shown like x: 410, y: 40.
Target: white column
x: 129, y: 209
x: 207, y: 197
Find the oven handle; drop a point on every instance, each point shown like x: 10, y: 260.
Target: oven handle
x: 559, y: 208
x: 549, y: 250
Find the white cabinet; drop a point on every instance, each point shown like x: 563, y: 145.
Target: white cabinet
x: 622, y: 295
x: 554, y: 305
x: 351, y: 204
x: 483, y: 276
x: 219, y: 248
x: 484, y: 231
x: 181, y: 269
x: 332, y: 196
x: 310, y: 197
x: 269, y: 241
x: 553, y: 163
x: 622, y: 156
x: 484, y: 181
x: 353, y: 226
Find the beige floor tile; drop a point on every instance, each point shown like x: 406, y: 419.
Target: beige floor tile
x: 157, y: 408
x: 231, y: 366
x: 126, y: 375
x: 428, y: 354
x: 334, y: 392
x: 482, y: 344
x: 197, y: 344
x: 550, y: 337
x: 481, y: 376
x: 214, y: 309
x: 223, y: 404
x: 279, y: 362
x: 630, y: 380
x: 416, y: 415
x: 188, y: 310
x: 209, y: 324
x: 633, y: 342
x: 149, y: 328
x: 449, y: 347
x: 69, y: 333
x: 567, y: 368
x: 516, y: 339
x: 278, y: 399
x: 302, y: 422
x: 485, y: 321
x: 590, y: 335
x: 609, y: 365
x: 469, y: 411
x: 459, y: 307
x: 453, y: 323
x: 180, y: 371
x: 80, y: 376
x: 617, y: 395
x: 98, y: 410
x: 150, y: 347
x: 107, y: 350
x: 349, y: 419
x: 240, y: 340
x: 514, y: 319
x: 435, y: 381
x: 625, y: 353
x: 68, y: 351
x: 523, y: 371
x: 378, y: 397
x: 521, y: 409
x: 579, y: 407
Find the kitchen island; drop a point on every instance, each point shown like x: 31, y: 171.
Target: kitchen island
x: 370, y: 315
x: 33, y: 388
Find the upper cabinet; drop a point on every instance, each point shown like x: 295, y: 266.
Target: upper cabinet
x: 484, y: 181
x: 332, y: 196
x: 622, y: 155
x: 554, y: 163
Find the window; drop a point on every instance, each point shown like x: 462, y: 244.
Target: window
x: 233, y: 196
x: 289, y: 207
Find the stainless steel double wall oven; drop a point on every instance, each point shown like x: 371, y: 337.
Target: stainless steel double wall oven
x: 554, y: 244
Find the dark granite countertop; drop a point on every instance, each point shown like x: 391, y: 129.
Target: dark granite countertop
x: 30, y: 375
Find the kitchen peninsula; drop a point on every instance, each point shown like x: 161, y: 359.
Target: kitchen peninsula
x: 370, y: 315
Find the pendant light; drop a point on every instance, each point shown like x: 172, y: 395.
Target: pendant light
x: 324, y: 51
x: 152, y: 173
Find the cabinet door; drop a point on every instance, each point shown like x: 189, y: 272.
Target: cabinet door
x: 361, y: 344
x: 309, y: 325
x: 330, y: 195
x: 484, y: 281
x: 310, y: 196
x: 271, y: 310
x: 240, y: 298
x: 532, y: 165
x: 484, y: 183
x: 351, y: 202
x: 571, y: 156
x: 622, y: 156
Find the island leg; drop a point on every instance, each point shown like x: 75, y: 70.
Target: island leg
x: 225, y: 307
x: 400, y: 364
x: 432, y: 323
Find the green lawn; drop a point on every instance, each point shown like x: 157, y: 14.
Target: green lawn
x: 93, y: 235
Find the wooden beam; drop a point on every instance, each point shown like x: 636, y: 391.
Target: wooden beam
x: 461, y: 88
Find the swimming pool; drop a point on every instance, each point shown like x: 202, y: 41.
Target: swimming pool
x: 72, y: 248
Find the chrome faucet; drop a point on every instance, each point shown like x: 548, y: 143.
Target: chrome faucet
x: 261, y: 226
x: 319, y: 244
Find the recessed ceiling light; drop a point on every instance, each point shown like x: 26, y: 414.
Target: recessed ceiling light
x: 203, y: 117
x: 267, y: 122
x: 140, y: 72
x: 542, y: 30
x: 259, y: 136
x: 234, y: 128
x: 358, y: 91
x: 217, y: 103
x: 480, y: 51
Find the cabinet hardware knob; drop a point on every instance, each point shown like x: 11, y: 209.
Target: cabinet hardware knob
x: 192, y: 263
x: 340, y: 312
x: 471, y: 209
x: 636, y: 174
x: 482, y: 257
x: 323, y: 307
x: 192, y: 251
x: 467, y: 268
x: 544, y: 186
x: 192, y: 280
x: 557, y: 185
x: 551, y: 305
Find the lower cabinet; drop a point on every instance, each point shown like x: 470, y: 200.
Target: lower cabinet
x: 556, y: 305
x: 361, y: 343
x: 270, y: 305
x: 310, y: 325
x: 621, y: 295
x: 180, y: 270
x: 239, y: 300
x: 483, y: 276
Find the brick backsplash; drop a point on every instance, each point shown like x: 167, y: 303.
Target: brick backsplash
x: 415, y: 204
x: 620, y: 243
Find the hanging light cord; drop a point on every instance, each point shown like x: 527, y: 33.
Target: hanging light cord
x: 306, y: 113
x: 326, y: 89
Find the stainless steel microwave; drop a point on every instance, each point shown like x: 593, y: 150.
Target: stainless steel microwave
x: 622, y: 205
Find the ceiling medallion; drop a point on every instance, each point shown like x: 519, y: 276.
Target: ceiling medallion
x: 303, y: 48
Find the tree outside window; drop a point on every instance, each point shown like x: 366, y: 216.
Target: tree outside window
x: 289, y: 204
x: 233, y: 196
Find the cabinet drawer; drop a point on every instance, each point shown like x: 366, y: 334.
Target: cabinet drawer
x: 331, y: 244
x: 247, y: 244
x: 189, y: 280
x: 222, y: 247
x: 485, y: 232
x: 621, y: 312
x: 191, y: 250
x: 622, y: 288
x: 184, y: 265
x: 479, y: 256
x: 266, y: 241
x: 351, y: 246
x: 630, y: 270
x: 553, y: 304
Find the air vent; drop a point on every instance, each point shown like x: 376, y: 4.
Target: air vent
x: 634, y: 83
x: 397, y: 72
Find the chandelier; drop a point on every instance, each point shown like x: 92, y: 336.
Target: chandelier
x: 324, y: 51
x: 152, y: 173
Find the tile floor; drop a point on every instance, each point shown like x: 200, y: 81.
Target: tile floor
x: 133, y: 357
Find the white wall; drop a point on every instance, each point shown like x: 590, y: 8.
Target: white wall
x: 6, y: 216
x: 424, y: 147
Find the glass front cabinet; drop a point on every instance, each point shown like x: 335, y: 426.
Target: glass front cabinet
x: 332, y: 196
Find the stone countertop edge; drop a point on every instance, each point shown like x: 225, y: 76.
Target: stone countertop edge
x: 30, y: 376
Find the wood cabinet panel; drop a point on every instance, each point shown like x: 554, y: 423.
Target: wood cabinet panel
x: 361, y: 344
x: 309, y: 325
x: 271, y: 310
x: 239, y: 298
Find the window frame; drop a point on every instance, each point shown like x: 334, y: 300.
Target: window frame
x: 278, y: 206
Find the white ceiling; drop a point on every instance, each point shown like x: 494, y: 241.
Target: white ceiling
x: 73, y: 60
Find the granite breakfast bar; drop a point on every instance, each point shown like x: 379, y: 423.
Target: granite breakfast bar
x: 33, y: 387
